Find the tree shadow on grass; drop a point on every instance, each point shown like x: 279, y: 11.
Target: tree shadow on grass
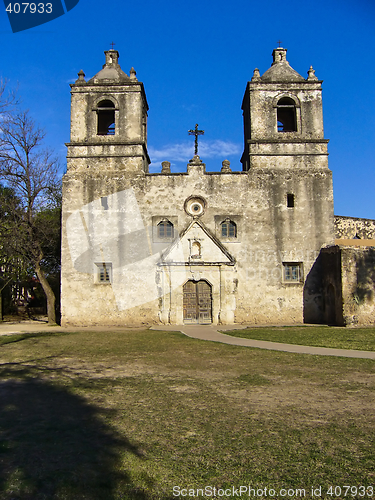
x: 54, y: 445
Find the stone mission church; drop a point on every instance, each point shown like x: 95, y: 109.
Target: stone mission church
x: 260, y: 246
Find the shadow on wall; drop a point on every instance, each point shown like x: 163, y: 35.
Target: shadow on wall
x: 56, y: 445
x: 323, y: 289
x: 313, y: 299
x: 340, y: 288
x: 365, y: 289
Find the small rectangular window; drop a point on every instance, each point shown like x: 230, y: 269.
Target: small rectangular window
x: 290, y: 200
x: 292, y: 272
x: 104, y: 272
x: 104, y: 201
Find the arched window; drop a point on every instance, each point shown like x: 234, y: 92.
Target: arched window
x: 106, y: 118
x: 228, y: 229
x: 286, y: 115
x: 165, y: 229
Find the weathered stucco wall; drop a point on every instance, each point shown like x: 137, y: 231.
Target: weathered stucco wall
x: 269, y: 234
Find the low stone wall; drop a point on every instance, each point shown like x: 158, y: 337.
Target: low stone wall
x: 350, y: 228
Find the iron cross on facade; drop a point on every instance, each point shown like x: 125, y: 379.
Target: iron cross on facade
x: 196, y: 132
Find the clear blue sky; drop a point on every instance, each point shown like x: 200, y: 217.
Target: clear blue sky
x: 195, y: 58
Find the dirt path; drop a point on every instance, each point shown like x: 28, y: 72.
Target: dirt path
x: 210, y: 333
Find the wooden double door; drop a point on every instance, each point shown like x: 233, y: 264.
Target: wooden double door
x: 197, y: 302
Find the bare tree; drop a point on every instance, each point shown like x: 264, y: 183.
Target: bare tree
x: 30, y: 171
x: 8, y: 97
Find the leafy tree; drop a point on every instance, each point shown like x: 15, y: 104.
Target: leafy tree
x: 30, y: 171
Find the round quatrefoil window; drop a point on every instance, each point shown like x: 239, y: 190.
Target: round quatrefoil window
x: 195, y: 206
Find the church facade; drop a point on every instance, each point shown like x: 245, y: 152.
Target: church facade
x: 200, y: 247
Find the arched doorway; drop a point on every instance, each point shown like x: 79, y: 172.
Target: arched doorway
x: 197, y: 302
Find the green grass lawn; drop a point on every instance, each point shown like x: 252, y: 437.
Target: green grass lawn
x: 130, y: 415
x: 318, y: 336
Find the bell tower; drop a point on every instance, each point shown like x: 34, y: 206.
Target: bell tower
x: 283, y: 118
x: 108, y: 122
